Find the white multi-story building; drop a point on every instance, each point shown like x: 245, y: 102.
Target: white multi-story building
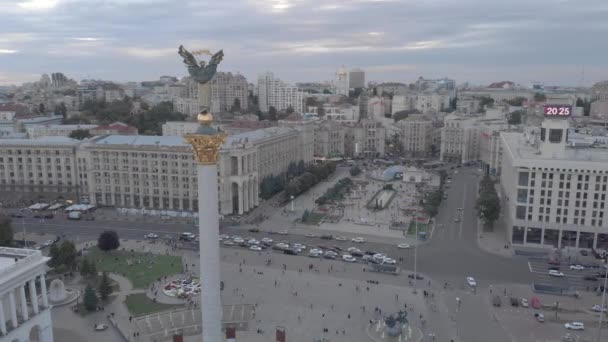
x: 416, y: 134
x: 20, y: 320
x: 553, y: 191
x: 455, y: 139
x: 179, y: 128
x: 378, y: 107
x: 55, y: 130
x: 187, y: 106
x: 345, y: 112
x: 342, y: 82
x: 274, y: 93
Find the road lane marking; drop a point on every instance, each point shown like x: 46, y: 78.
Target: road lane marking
x: 530, y: 267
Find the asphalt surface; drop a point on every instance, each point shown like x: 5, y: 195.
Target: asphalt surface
x: 451, y: 254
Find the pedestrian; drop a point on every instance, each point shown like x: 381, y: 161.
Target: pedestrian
x: 348, y: 316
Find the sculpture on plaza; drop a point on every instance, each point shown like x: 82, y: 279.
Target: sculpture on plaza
x: 394, y: 323
x: 201, y: 72
x: 57, y: 292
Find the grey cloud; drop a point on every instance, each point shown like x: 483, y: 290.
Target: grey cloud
x: 308, y: 39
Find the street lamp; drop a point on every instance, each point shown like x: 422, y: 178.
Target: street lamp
x: 292, y: 205
x: 416, y: 251
x: 603, y: 305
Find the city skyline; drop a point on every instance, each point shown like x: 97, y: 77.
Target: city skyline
x: 307, y: 40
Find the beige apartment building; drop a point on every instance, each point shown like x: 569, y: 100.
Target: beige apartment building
x: 329, y: 139
x: 44, y: 168
x: 416, y: 134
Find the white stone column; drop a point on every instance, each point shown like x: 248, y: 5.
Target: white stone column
x: 45, y: 299
x: 34, y: 297
x: 13, y: 307
x: 2, y: 318
x: 241, y: 194
x: 24, y: 311
x: 211, y: 304
x: 245, y: 196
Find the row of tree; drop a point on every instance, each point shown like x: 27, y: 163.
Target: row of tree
x: 314, y: 175
x: 488, y: 202
x: 336, y: 192
x: 271, y: 185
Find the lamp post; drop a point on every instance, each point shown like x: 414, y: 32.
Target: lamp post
x: 415, y: 251
x: 206, y: 143
x: 603, y: 305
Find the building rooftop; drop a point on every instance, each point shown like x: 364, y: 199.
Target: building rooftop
x: 142, y: 140
x: 17, y: 258
x: 54, y: 140
x: 259, y: 134
x: 523, y: 147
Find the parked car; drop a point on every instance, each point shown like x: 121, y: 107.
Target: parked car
x: 341, y: 238
x: 418, y: 276
x: 496, y: 301
x: 100, y: 327
x: 471, y: 281
x: 403, y: 246
x: 283, y: 232
x: 599, y: 308
x: 327, y: 237
x: 574, y: 326
x: 348, y: 258
x: 524, y: 302
x: 358, y: 240
x: 514, y: 302
x: 254, y: 230
x: 577, y: 267
x: 555, y: 273
x: 290, y: 251
x: 187, y: 236
x: 151, y: 236
x: 540, y: 317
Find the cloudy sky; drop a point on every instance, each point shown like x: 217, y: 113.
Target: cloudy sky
x: 479, y: 41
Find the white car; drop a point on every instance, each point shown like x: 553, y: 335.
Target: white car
x: 281, y: 246
x: 555, y: 273
x: 598, y: 308
x: 267, y: 240
x: 471, y: 281
x: 403, y: 246
x: 100, y: 327
x: 315, y: 253
x: 283, y: 232
x: 350, y: 249
x: 224, y: 237
x: 238, y: 240
x: 299, y: 246
x: 348, y: 258
x: 149, y: 236
x: 340, y: 238
x: 228, y: 243
x: 577, y: 267
x: 574, y: 326
x: 50, y: 242
x: 389, y: 261
x: 379, y: 256
x: 310, y: 235
x: 524, y: 303
x: 256, y: 248
x: 358, y: 240
x: 253, y: 242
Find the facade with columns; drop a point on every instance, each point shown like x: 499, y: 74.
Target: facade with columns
x: 24, y: 316
x: 238, y: 170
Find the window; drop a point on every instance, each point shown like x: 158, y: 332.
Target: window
x: 523, y: 178
x: 520, y: 212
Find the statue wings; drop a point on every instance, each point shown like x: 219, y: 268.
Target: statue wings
x: 189, y: 59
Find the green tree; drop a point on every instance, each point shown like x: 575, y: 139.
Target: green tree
x: 85, y: 267
x: 485, y: 101
x: 41, y: 108
x: 105, y: 287
x: 152, y: 120
x: 272, y: 113
x: 6, y: 232
x: 301, y: 167
x: 236, y: 105
x: 90, y: 299
x: 108, y: 241
x: 515, y: 117
x: 289, y: 110
x: 305, y: 215
x: 326, y: 91
x: 516, y: 102
x: 488, y: 203
x: 92, y: 268
x: 64, y: 255
x: 431, y: 205
x: 540, y: 97
x: 80, y: 134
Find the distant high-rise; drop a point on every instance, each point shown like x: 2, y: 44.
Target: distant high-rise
x: 356, y: 78
x: 58, y: 80
x: 225, y: 88
x: 274, y: 93
x: 342, y: 82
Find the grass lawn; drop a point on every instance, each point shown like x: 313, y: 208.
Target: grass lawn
x: 314, y: 219
x: 144, y: 268
x: 140, y: 304
x: 422, y: 227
